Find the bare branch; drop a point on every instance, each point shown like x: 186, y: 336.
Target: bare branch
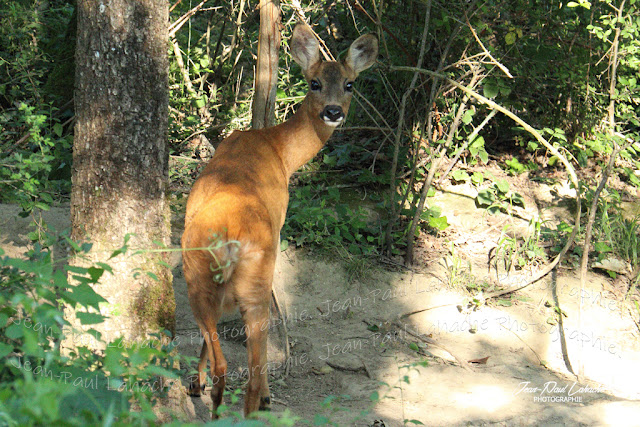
x: 173, y: 28
x: 399, y: 130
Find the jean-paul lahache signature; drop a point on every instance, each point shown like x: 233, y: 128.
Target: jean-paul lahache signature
x: 552, y: 391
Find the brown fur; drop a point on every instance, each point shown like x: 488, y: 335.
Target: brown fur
x: 240, y: 202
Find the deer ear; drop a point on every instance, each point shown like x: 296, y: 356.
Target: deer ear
x: 304, y: 47
x: 362, y: 53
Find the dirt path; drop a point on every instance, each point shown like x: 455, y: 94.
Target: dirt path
x: 337, y: 351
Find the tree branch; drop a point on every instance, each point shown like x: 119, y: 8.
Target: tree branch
x: 570, y: 170
x: 399, y: 130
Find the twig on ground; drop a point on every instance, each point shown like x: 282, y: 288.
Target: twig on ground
x: 432, y: 342
x: 525, y: 343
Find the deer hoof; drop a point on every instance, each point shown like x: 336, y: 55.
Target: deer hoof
x: 195, y: 390
x: 265, y: 404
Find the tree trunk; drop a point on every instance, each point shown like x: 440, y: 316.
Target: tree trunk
x: 120, y: 159
x: 264, y: 97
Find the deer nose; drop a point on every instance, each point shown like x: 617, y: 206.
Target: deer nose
x: 332, y: 113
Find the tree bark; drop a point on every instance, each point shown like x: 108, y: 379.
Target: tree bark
x: 120, y: 159
x: 264, y: 97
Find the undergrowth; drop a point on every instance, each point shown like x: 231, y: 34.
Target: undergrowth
x: 56, y: 375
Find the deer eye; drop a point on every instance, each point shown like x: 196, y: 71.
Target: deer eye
x: 348, y: 86
x: 315, y: 85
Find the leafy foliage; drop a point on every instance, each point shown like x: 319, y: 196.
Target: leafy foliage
x: 559, y: 57
x: 498, y: 197
x: 329, y: 222
x: 42, y: 382
x: 35, y: 145
x: 613, y: 232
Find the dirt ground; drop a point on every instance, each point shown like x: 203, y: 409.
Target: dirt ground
x: 343, y: 343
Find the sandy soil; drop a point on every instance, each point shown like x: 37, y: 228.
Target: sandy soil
x: 342, y: 343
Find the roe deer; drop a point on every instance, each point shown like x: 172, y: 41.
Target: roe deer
x: 237, y: 207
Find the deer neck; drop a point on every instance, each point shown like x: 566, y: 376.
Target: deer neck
x: 300, y: 138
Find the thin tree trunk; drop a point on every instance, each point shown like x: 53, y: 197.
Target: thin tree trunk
x: 120, y: 159
x: 613, y: 70
x: 611, y: 110
x: 396, y: 146
x: 264, y: 97
x: 435, y: 164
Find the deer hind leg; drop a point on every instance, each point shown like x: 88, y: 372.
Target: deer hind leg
x: 218, y: 372
x: 211, y: 349
x: 257, y: 322
x: 206, y: 298
x: 253, y: 294
x: 198, y: 382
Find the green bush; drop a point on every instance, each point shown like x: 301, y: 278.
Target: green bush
x: 35, y: 140
x: 55, y: 375
x: 41, y: 383
x: 329, y: 223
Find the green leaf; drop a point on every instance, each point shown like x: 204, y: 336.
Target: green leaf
x: 119, y: 251
x: 503, y: 186
x: 4, y: 350
x: 563, y: 227
x: 329, y: 160
x: 515, y: 165
x: 477, y: 178
x: 460, y: 175
x: 510, y: 38
x: 3, y: 320
x: 90, y: 318
x: 93, y: 392
x: 476, y: 145
x: 334, y: 193
x: 373, y: 328
x: 602, y: 247
x: 107, y: 267
x: 413, y: 346
x: 86, y: 296
x: 485, y: 198
x: 57, y: 129
x: 95, y: 334
x: 490, y: 88
x: 467, y: 117
x: 505, y: 90
x: 160, y: 371
x: 517, y: 199
x: 95, y: 274
x: 440, y: 223
x: 14, y: 331
x: 200, y: 102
